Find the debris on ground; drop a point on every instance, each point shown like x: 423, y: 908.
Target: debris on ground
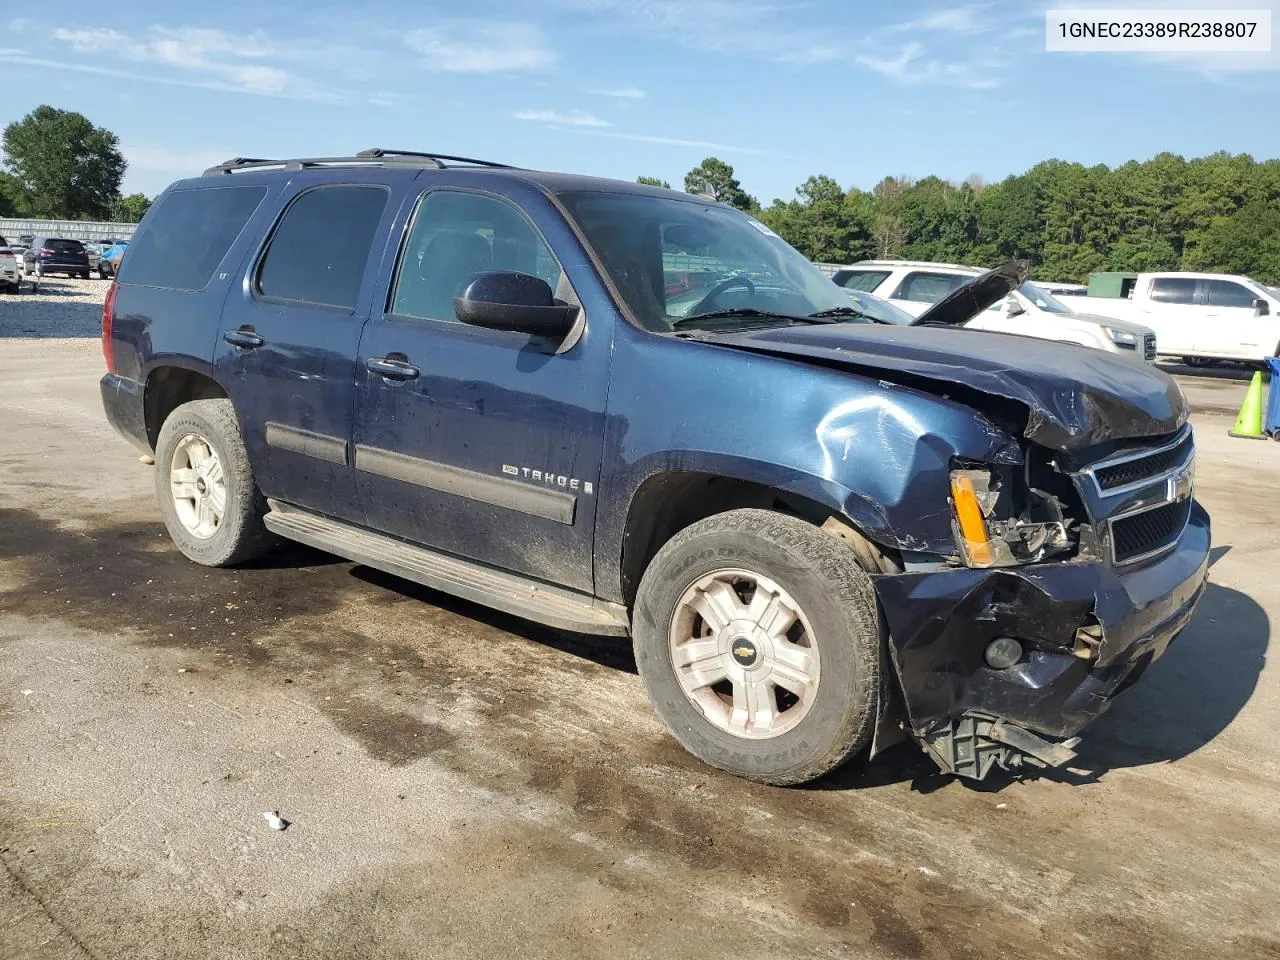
x: 275, y: 821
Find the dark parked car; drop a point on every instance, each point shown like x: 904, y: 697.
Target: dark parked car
x: 823, y: 533
x: 48, y: 255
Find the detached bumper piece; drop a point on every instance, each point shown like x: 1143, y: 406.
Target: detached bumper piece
x: 974, y: 744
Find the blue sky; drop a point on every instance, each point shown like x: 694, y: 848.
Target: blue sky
x: 781, y: 89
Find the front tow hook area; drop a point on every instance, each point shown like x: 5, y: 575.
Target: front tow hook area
x: 975, y: 743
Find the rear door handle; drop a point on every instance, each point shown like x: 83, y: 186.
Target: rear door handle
x: 244, y: 337
x: 393, y: 368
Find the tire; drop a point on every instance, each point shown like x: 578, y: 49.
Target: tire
x: 239, y: 534
x: 104, y: 273
x: 84, y: 276
x: 836, y: 607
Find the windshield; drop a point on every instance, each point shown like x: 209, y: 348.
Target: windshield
x: 675, y: 260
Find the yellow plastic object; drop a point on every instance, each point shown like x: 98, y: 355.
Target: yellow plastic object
x: 973, y: 529
x: 1249, y: 422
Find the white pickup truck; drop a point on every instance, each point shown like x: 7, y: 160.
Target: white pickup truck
x: 1200, y: 316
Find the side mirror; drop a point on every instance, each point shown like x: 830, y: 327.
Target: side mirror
x: 1013, y: 308
x: 502, y: 300
x: 1261, y: 308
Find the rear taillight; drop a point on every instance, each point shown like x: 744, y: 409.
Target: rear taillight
x: 47, y: 251
x: 108, y: 320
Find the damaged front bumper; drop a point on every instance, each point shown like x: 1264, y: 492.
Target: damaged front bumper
x: 1087, y: 629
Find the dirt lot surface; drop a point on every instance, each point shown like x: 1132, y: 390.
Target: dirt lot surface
x: 462, y: 784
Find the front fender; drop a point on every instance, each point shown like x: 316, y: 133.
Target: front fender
x: 873, y: 452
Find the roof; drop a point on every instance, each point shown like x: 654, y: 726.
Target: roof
x: 378, y: 158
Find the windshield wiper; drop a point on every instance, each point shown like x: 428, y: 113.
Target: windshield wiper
x: 749, y: 312
x: 835, y: 312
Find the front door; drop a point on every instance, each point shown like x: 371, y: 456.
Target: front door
x: 288, y: 343
x: 481, y: 443
x: 1232, y: 326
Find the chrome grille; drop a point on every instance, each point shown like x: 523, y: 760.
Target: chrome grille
x: 1143, y: 467
x: 1148, y: 532
x: 1149, y: 346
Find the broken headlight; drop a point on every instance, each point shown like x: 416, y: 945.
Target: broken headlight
x: 987, y: 531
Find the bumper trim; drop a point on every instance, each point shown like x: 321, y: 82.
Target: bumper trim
x: 973, y: 745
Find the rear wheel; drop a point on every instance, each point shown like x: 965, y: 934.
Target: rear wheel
x: 208, y: 499
x: 757, y: 638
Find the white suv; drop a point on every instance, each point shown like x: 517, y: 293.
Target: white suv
x: 1029, y: 311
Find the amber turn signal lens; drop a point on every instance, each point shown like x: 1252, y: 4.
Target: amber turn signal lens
x: 973, y: 529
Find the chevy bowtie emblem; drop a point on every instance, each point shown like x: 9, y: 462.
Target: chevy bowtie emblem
x: 1181, y: 484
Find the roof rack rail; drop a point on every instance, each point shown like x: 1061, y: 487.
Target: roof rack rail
x: 373, y: 156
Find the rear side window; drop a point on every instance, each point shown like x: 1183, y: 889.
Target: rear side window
x: 1225, y: 293
x: 319, y: 250
x: 1174, y: 289
x: 928, y: 287
x: 864, y: 280
x: 186, y: 236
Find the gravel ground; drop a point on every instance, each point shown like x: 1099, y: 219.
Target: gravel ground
x: 62, y: 308
x: 462, y: 784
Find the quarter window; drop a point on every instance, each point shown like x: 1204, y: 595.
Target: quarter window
x: 864, y: 280
x: 185, y: 236
x: 321, y: 246
x: 1174, y: 289
x: 1225, y: 293
x: 456, y: 236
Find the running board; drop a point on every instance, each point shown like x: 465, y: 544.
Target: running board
x: 509, y: 592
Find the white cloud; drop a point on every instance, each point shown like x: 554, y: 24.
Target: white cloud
x: 755, y: 28
x: 622, y: 93
x: 968, y: 19
x: 157, y: 158
x: 210, y: 84
x: 476, y: 46
x: 676, y: 142
x: 219, y: 59
x: 574, y: 118
x: 911, y: 66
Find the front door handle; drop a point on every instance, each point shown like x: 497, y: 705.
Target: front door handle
x: 245, y: 337
x: 394, y: 367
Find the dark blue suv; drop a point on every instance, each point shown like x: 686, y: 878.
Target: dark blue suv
x: 823, y: 533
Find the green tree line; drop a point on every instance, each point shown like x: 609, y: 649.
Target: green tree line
x: 59, y: 166
x: 1219, y: 213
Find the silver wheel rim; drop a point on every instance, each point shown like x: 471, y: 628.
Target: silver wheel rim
x: 744, y: 654
x: 198, y: 487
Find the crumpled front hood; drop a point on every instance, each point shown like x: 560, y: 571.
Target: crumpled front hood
x: 1075, y: 397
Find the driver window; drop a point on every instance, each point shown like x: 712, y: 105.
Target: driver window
x: 456, y: 236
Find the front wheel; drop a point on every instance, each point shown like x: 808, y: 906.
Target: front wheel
x: 208, y: 499
x: 757, y: 638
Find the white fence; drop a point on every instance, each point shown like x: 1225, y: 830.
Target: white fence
x: 11, y: 230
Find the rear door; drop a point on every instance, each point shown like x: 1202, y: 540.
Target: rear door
x: 487, y: 443
x: 1171, y: 310
x: 290, y: 333
x: 1232, y: 326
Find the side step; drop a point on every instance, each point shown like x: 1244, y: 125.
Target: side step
x: 509, y: 592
